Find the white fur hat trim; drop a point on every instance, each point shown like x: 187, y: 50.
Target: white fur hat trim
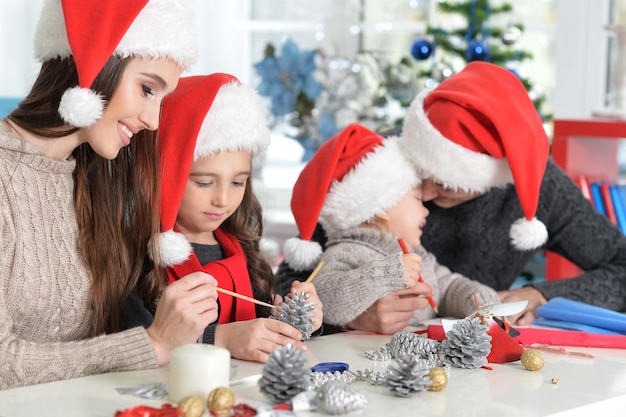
x: 528, y: 234
x: 235, y: 122
x: 372, y: 187
x: 163, y: 28
x: 302, y: 255
x: 81, y: 107
x: 175, y: 248
x: 446, y: 162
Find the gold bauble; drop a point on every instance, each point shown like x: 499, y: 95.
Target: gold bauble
x: 192, y: 406
x: 439, y: 378
x: 532, y: 360
x: 221, y: 400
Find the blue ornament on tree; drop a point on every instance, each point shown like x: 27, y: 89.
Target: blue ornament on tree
x: 421, y: 49
x: 477, y: 51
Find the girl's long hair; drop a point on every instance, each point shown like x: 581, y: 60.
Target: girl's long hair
x: 246, y: 224
x: 116, y: 201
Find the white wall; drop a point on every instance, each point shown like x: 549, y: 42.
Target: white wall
x: 581, y: 64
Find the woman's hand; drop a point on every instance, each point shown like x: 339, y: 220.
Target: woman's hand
x: 185, y: 309
x: 308, y: 288
x: 535, y: 300
x: 392, y: 313
x: 256, y: 339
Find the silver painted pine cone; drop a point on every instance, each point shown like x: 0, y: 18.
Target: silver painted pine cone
x: 467, y: 344
x: 285, y: 374
x: 408, y: 377
x: 337, y: 397
x: 294, y: 310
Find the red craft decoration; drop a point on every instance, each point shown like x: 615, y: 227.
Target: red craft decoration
x: 167, y: 410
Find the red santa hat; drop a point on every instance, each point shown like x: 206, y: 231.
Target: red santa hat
x: 93, y: 30
x: 476, y: 130
x: 206, y: 114
x: 351, y: 178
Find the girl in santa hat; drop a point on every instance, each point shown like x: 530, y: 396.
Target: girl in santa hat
x: 213, y: 129
x: 367, y: 196
x: 80, y: 194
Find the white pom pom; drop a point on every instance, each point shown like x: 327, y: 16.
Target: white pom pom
x: 81, y: 107
x: 528, y: 235
x: 302, y: 255
x: 175, y: 248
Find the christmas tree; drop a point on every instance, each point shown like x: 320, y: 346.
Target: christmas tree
x: 448, y: 49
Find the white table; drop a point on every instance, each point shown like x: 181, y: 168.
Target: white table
x: 586, y: 387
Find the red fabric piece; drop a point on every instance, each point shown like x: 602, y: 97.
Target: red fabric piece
x: 503, y: 347
x: 436, y: 332
x: 167, y: 410
x: 231, y: 274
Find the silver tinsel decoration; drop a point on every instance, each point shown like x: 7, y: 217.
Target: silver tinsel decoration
x: 337, y: 397
x: 467, y: 344
x: 285, y: 374
x: 294, y: 310
x: 409, y: 377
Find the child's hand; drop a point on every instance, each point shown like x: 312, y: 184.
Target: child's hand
x: 255, y: 340
x: 185, y: 309
x: 413, y: 268
x: 309, y: 288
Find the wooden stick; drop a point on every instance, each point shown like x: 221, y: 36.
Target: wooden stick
x: 315, y: 271
x: 476, y: 301
x: 244, y: 297
x: 419, y: 277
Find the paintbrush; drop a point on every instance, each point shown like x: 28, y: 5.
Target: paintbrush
x: 244, y: 297
x: 315, y: 271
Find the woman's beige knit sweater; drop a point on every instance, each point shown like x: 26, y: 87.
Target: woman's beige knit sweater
x: 45, y: 310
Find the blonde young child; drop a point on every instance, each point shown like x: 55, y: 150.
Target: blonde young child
x: 213, y: 128
x: 366, y: 195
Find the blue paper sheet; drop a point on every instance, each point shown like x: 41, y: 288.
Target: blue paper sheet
x: 574, y: 315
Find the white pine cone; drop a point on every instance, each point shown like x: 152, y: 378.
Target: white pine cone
x: 467, y: 344
x: 285, y: 374
x: 408, y: 377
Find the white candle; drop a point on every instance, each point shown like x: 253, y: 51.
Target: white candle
x: 197, y: 369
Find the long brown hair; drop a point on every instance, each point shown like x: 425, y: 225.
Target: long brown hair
x: 116, y: 201
x: 246, y: 224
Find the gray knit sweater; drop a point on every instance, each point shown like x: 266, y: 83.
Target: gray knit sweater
x: 45, y: 311
x: 361, y: 266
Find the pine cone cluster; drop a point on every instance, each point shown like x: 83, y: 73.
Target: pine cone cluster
x: 285, y: 374
x: 295, y: 310
x: 409, y: 377
x: 337, y: 397
x: 467, y: 344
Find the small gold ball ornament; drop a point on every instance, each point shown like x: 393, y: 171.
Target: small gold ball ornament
x: 192, y: 406
x: 532, y: 360
x: 221, y: 400
x: 438, y: 377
